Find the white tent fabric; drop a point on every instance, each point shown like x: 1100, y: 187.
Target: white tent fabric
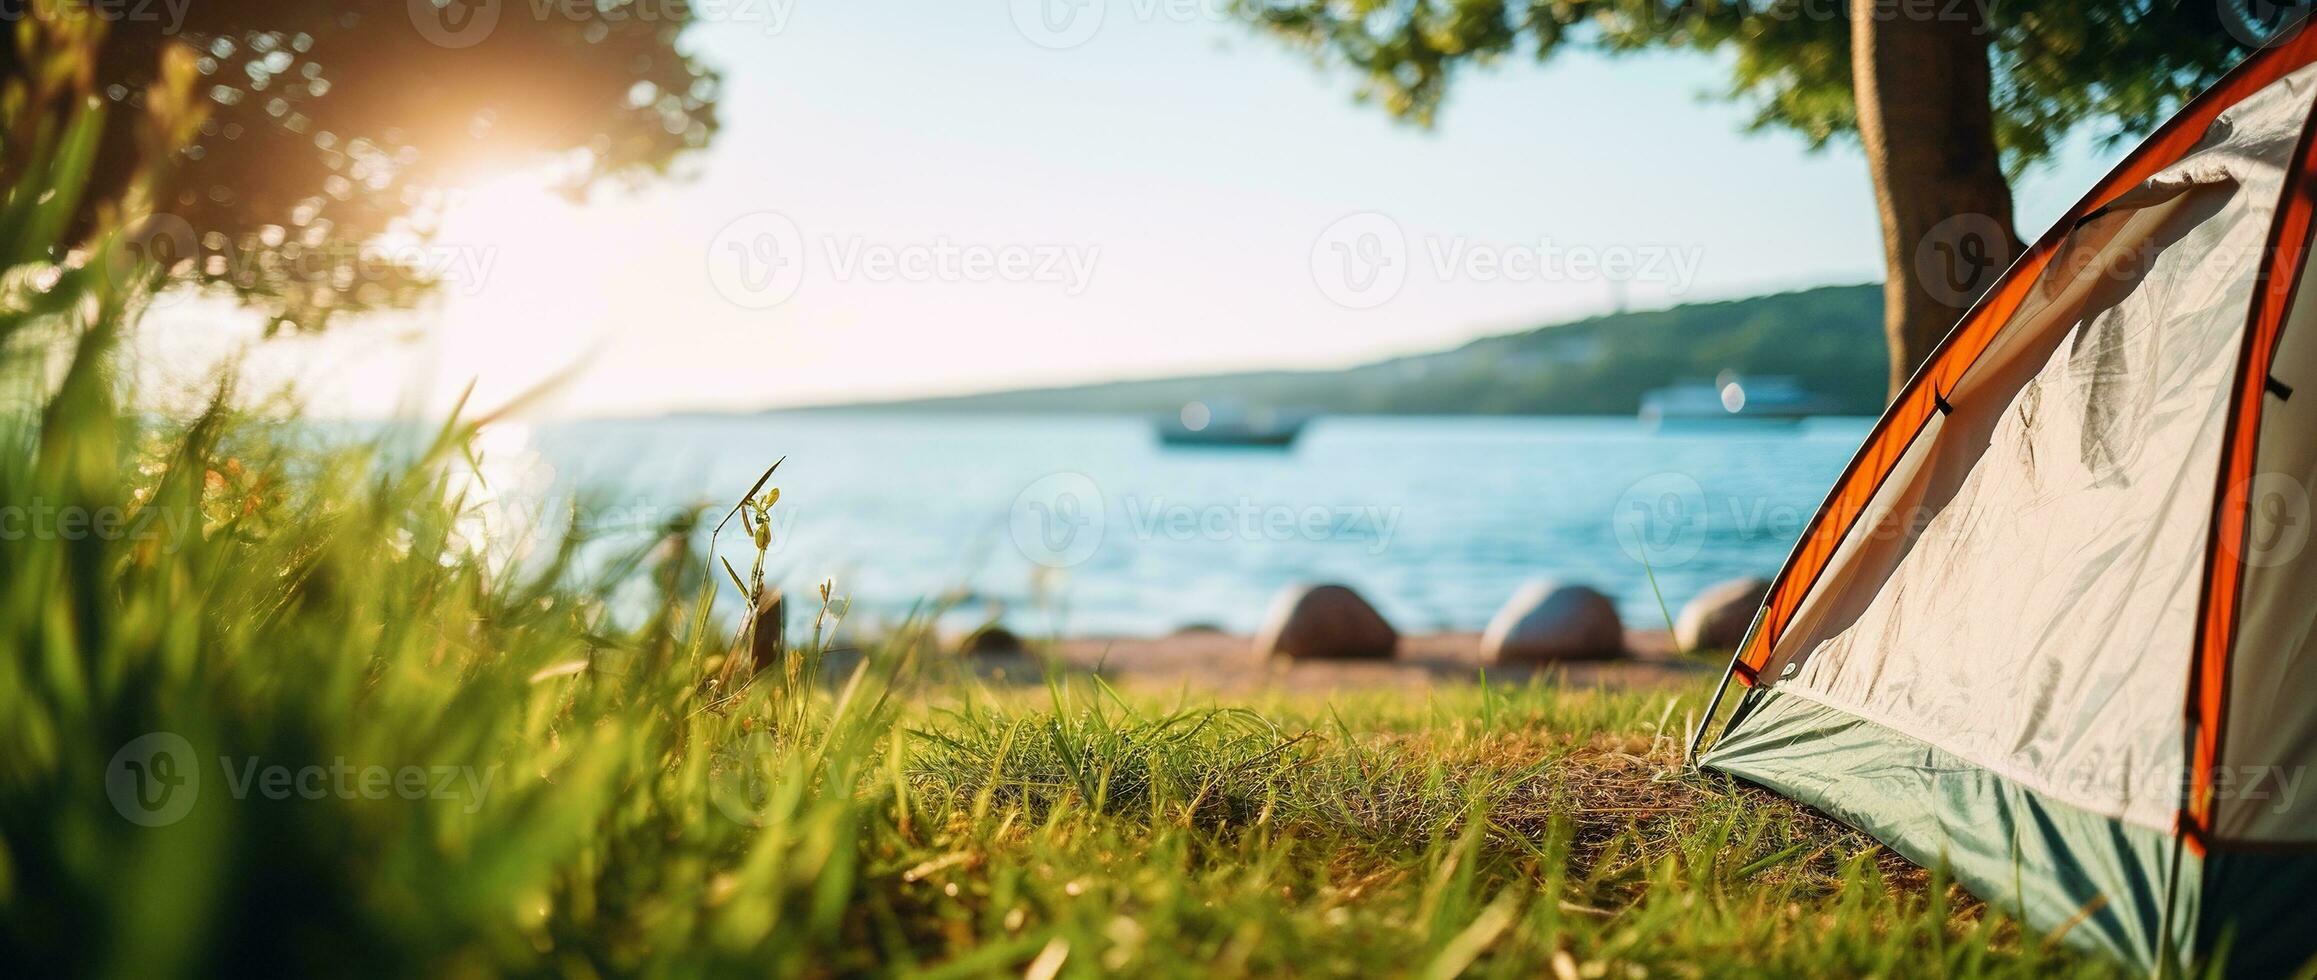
x: 2052, y: 630
x: 2044, y: 560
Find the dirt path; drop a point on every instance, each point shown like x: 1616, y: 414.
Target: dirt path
x: 1227, y: 662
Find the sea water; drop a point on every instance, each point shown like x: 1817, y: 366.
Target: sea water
x: 1085, y: 525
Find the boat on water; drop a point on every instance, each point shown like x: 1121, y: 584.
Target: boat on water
x: 1729, y: 398
x: 1227, y: 425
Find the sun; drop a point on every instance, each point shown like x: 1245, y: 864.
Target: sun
x: 510, y: 209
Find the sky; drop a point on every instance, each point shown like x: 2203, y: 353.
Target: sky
x: 986, y: 195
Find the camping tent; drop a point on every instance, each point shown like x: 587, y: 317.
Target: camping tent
x: 2052, y: 629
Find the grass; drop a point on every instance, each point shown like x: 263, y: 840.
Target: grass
x: 272, y: 708
x: 1498, y: 832
x: 640, y: 818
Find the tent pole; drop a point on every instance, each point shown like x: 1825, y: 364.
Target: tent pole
x: 1712, y: 705
x: 1698, y: 737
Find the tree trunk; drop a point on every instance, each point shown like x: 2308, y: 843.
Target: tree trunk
x: 1928, y: 126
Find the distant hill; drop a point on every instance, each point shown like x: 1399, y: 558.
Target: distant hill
x: 1830, y: 338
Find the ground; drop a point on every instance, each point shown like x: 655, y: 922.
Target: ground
x: 1227, y: 664
x: 1540, y: 828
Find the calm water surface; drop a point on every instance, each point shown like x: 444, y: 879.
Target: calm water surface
x: 1087, y: 525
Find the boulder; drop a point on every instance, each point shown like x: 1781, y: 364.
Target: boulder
x: 1718, y: 617
x: 992, y: 640
x: 1324, y: 622
x: 1547, y: 621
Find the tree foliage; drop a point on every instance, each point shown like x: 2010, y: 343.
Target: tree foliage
x: 2118, y: 67
x: 333, y: 122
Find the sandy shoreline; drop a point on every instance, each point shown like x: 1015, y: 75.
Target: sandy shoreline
x: 1226, y: 662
